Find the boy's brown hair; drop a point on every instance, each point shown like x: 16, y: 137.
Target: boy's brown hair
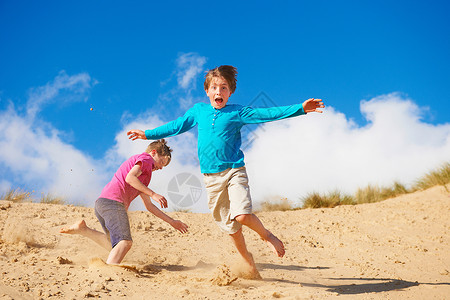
x: 161, y: 148
x: 227, y: 72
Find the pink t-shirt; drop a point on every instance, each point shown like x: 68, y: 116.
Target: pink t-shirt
x: 118, y: 189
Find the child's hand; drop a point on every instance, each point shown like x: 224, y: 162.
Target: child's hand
x: 180, y: 226
x: 136, y: 134
x: 311, y: 105
x: 160, y: 199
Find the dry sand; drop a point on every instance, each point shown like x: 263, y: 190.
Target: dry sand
x: 395, y: 249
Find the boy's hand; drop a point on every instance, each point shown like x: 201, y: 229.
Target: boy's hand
x: 312, y: 105
x: 180, y: 226
x: 160, y: 199
x: 136, y: 134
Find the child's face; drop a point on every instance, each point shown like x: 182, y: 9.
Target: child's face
x: 218, y: 92
x: 160, y: 161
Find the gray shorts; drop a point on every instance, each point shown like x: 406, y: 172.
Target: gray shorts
x: 113, y: 217
x: 228, y: 196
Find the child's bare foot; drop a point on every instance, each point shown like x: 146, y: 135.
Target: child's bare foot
x: 246, y: 268
x: 75, y: 228
x: 249, y: 274
x: 276, y: 245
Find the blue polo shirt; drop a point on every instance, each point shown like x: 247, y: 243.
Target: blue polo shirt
x: 219, y: 131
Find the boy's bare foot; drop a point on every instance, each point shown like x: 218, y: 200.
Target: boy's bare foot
x: 246, y: 268
x: 75, y: 228
x: 249, y: 274
x: 276, y: 245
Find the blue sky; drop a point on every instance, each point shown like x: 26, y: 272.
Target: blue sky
x: 139, y: 63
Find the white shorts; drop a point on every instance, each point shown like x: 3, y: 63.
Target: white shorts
x: 228, y: 197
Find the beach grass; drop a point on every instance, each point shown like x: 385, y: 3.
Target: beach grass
x: 17, y: 195
x: 332, y: 199
x: 51, y: 199
x: 440, y: 176
x: 20, y: 196
x: 369, y: 194
x: 282, y: 204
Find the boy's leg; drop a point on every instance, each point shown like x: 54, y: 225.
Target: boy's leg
x: 239, y: 242
x: 241, y: 209
x: 81, y: 228
x: 254, y: 223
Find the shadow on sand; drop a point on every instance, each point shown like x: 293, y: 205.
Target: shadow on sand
x: 368, y: 285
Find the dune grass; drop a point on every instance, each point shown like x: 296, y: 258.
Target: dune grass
x: 51, y: 199
x: 182, y: 210
x: 369, y: 194
x: 332, y: 199
x: 278, y: 205
x: 17, y: 195
x: 20, y: 196
x: 440, y: 176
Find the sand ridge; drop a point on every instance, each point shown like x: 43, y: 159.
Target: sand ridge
x: 395, y: 249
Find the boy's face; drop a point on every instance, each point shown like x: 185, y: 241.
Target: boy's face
x: 218, y: 92
x: 160, y: 161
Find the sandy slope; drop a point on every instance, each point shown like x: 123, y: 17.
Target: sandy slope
x: 396, y: 249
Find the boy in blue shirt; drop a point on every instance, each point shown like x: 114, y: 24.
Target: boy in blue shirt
x: 220, y: 156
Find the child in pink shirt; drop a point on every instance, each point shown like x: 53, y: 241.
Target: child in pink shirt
x: 130, y: 180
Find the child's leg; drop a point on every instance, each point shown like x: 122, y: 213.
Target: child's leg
x: 115, y: 256
x: 239, y: 242
x: 254, y: 223
x: 81, y: 228
x: 241, y: 209
x: 113, y: 217
x: 119, y: 251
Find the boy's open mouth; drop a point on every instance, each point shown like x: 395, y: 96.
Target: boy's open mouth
x: 219, y: 100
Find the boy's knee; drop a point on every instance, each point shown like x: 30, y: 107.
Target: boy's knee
x: 243, y: 219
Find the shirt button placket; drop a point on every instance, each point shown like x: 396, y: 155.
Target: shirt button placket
x: 214, y: 118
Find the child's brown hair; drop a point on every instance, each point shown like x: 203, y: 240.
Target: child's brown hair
x: 161, y: 148
x: 227, y: 72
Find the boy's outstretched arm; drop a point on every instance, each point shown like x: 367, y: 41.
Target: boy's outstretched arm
x: 175, y: 127
x: 312, y: 105
x: 136, y: 134
x: 177, y: 224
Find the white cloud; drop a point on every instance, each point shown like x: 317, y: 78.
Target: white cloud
x: 187, y: 70
x: 189, y: 66
x: 324, y: 152
x: 71, y: 88
x: 32, y: 152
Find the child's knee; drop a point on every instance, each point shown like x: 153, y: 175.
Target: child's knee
x: 243, y: 219
x: 125, y: 244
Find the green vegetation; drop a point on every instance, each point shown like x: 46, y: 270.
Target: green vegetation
x: 438, y: 177
x: 20, y: 196
x: 369, y: 194
x: 182, y: 210
x: 281, y: 205
x: 16, y: 195
x: 50, y: 199
x: 372, y: 194
x: 333, y: 199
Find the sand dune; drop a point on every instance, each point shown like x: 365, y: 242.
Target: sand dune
x: 395, y: 249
